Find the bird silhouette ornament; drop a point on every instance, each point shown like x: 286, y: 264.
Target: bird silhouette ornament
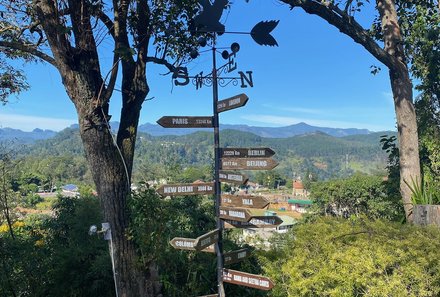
x: 209, y: 19
x: 260, y: 33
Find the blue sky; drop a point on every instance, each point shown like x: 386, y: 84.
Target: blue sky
x: 317, y: 75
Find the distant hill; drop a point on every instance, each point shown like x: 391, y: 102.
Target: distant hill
x: 25, y: 137
x: 156, y: 130
x: 269, y: 132
x: 325, y: 155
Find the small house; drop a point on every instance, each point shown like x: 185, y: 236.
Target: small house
x: 299, y: 205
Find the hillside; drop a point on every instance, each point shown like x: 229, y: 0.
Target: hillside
x: 324, y: 155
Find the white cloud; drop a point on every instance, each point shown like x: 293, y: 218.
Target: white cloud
x: 275, y: 121
x: 29, y: 123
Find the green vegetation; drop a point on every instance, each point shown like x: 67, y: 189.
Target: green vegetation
x: 357, y: 257
x: 54, y: 256
x: 190, y: 157
x: 356, y: 196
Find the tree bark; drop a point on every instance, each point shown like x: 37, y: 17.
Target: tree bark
x: 403, y: 104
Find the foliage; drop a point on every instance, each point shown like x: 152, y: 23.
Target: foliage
x: 423, y: 193
x: 54, y: 256
x: 183, y: 273
x: 338, y: 257
x: 356, y: 196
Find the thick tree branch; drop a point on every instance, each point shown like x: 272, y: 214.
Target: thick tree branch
x: 28, y: 49
x: 160, y: 61
x: 347, y: 25
x: 82, y: 27
x: 111, y: 84
x: 47, y: 15
x: 107, y: 22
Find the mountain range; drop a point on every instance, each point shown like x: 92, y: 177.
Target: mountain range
x: 156, y: 130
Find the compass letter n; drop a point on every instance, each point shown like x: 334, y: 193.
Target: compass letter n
x: 246, y: 79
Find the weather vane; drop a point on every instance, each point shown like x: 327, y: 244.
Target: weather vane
x: 207, y: 22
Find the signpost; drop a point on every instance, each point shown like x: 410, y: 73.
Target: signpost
x: 233, y: 102
x: 255, y: 222
x: 185, y: 122
x: 248, y: 163
x: 244, y: 201
x: 186, y: 189
x: 235, y: 256
x: 237, y: 214
x: 227, y: 158
x: 231, y: 152
x: 231, y: 177
x: 247, y: 279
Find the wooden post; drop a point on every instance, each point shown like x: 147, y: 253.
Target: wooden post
x: 426, y: 215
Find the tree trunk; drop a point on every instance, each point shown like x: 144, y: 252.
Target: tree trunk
x: 405, y: 113
x: 408, y: 138
x: 112, y: 184
x: 111, y: 170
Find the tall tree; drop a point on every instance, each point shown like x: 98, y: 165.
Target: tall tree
x: 67, y: 34
x: 386, y: 43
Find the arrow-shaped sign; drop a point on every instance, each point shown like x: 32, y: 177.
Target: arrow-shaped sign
x: 189, y: 244
x: 232, y: 152
x: 186, y: 189
x: 248, y: 163
x: 206, y: 240
x: 247, y: 279
x: 235, y: 256
x: 244, y: 201
x: 255, y: 222
x: 185, y: 122
x: 237, y: 214
x: 182, y: 243
x: 233, y: 102
x: 231, y: 177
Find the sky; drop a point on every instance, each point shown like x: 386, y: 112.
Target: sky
x: 316, y: 75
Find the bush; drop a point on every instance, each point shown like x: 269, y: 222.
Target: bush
x: 357, y: 195
x: 337, y: 257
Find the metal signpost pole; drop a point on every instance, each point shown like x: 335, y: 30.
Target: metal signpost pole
x: 217, y: 189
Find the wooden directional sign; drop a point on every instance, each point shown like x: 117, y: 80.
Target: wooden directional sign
x: 182, y: 243
x: 233, y: 102
x: 185, y: 122
x: 248, y: 163
x: 247, y: 279
x: 237, y: 214
x: 235, y: 256
x: 186, y: 189
x: 232, y: 152
x: 255, y: 222
x: 206, y: 240
x: 189, y: 244
x: 244, y: 201
x: 231, y: 177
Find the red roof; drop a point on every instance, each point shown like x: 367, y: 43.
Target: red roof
x: 298, y: 185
